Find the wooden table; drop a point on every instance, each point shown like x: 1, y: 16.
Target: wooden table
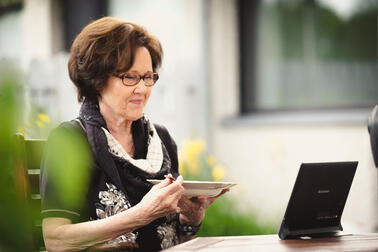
x: 344, y: 242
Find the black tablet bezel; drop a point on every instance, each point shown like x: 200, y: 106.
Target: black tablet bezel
x: 318, y: 199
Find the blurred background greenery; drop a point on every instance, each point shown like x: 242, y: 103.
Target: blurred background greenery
x: 227, y: 215
x: 20, y: 159
x: 14, y: 216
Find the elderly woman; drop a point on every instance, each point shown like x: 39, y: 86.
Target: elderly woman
x: 114, y: 66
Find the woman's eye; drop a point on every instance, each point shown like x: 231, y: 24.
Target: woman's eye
x: 148, y: 77
x: 130, y: 77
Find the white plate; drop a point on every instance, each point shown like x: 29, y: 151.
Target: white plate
x: 195, y: 188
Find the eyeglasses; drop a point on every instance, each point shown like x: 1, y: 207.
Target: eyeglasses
x: 132, y: 79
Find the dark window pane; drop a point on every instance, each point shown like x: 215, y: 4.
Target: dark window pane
x: 309, y: 55
x: 78, y: 14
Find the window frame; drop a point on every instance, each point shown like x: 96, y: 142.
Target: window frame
x: 248, y: 27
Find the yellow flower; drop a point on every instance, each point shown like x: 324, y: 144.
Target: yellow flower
x: 21, y: 130
x: 40, y: 123
x: 181, y: 165
x: 218, y: 172
x: 193, y: 149
x: 211, y: 160
x: 44, y: 118
x: 194, y: 168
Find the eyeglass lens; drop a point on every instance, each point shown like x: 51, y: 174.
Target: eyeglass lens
x: 131, y: 79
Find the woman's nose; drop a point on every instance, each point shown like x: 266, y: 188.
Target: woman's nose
x: 140, y: 87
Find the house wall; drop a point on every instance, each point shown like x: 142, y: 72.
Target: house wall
x: 198, y: 96
x: 179, y: 99
x: 263, y: 153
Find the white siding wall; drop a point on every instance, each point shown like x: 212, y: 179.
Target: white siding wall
x: 11, y: 36
x: 32, y: 38
x: 264, y: 159
x: 179, y: 99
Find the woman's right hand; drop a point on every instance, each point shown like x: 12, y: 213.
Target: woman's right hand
x: 162, y: 199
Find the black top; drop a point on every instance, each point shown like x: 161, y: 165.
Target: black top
x: 105, y: 196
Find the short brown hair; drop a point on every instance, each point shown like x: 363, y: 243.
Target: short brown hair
x: 105, y: 47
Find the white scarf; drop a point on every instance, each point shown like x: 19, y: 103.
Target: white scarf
x: 154, y: 158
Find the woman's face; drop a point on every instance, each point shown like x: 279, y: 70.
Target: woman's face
x: 128, y: 101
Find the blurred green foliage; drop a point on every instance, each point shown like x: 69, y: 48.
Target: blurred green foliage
x: 67, y: 154
x: 9, y: 3
x: 69, y: 160
x: 334, y: 37
x: 224, y: 217
x: 13, y: 215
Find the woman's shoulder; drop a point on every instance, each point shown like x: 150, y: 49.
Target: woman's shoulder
x: 169, y: 143
x: 73, y: 126
x: 164, y: 135
x: 161, y: 129
x: 67, y: 130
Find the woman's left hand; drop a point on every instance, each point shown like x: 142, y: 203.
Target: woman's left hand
x: 192, y: 211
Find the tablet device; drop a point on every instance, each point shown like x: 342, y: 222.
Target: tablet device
x: 317, y: 200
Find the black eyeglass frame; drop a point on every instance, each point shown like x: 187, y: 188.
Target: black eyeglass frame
x: 155, y: 78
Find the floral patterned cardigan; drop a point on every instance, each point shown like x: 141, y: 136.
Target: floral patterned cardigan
x: 112, y: 192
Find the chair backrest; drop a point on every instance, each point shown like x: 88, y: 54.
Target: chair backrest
x: 26, y: 174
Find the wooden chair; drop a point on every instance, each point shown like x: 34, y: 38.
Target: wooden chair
x: 27, y: 162
x: 26, y: 173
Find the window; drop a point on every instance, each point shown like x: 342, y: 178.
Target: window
x: 308, y: 54
x: 7, y: 6
x: 77, y: 14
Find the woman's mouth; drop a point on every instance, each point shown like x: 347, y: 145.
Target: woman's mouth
x: 136, y: 101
